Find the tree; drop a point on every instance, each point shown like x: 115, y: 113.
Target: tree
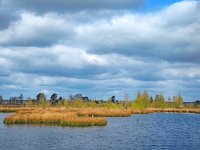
x: 112, y: 99
x: 138, y: 98
x: 78, y: 96
x: 143, y: 100
x: 53, y: 98
x: 169, y: 101
x: 146, y: 98
x: 159, y: 101
x: 60, y: 101
x: 1, y: 99
x: 126, y: 99
x: 151, y: 99
x: 21, y: 97
x: 13, y: 100
x: 197, y: 104
x: 178, y: 101
x: 41, y: 99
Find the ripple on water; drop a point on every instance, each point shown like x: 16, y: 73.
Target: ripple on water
x: 152, y: 131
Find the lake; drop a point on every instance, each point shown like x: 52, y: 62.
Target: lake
x: 140, y: 132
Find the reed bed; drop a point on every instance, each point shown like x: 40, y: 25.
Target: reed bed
x: 60, y: 119
x: 77, y: 117
x: 164, y: 110
x: 104, y: 113
x: 13, y: 109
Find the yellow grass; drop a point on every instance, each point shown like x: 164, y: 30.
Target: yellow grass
x: 160, y: 110
x: 104, y: 113
x: 74, y: 117
x: 52, y: 118
x: 12, y: 109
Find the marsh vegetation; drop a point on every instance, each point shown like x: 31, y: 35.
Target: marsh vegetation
x: 81, y: 112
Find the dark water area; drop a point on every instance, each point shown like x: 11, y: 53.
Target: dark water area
x: 139, y: 132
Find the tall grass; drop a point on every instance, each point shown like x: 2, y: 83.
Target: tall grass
x: 77, y: 117
x: 53, y: 118
x: 160, y: 110
x: 12, y: 109
x: 104, y: 113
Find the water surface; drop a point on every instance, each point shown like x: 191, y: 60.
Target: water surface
x: 153, y: 131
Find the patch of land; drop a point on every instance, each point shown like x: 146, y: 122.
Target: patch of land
x: 76, y: 117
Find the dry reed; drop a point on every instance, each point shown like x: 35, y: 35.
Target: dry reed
x: 104, y: 113
x: 54, y: 118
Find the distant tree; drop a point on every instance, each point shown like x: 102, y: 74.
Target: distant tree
x: 126, y: 99
x: 169, y: 101
x: 71, y: 97
x: 197, y: 104
x: 146, y: 98
x: 60, y: 101
x: 159, y: 101
x: 53, y: 98
x: 21, y: 97
x: 151, y: 99
x: 40, y: 96
x: 78, y: 96
x: 13, y: 100
x: 112, y: 99
x: 41, y: 99
x: 1, y: 99
x: 143, y: 100
x: 139, y: 97
x: 178, y: 101
x: 174, y: 100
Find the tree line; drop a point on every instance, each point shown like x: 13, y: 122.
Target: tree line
x: 143, y: 100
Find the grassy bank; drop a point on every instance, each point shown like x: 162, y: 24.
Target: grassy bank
x: 54, y: 118
x: 165, y: 110
x: 104, y: 113
x: 77, y: 117
x: 13, y: 109
x: 73, y: 117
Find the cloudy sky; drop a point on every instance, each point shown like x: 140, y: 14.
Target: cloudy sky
x: 100, y: 48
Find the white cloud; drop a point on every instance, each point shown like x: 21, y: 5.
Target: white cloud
x: 32, y: 30
x: 158, y: 51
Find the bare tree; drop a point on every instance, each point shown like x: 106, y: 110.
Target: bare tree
x: 126, y: 99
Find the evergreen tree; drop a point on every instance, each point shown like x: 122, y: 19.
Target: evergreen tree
x: 53, y: 98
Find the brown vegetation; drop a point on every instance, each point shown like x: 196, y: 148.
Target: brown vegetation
x: 77, y: 117
x: 53, y: 117
x: 104, y: 113
x: 161, y: 110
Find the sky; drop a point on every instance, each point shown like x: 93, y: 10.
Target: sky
x: 100, y: 48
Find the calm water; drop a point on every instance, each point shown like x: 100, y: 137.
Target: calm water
x: 154, y: 131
